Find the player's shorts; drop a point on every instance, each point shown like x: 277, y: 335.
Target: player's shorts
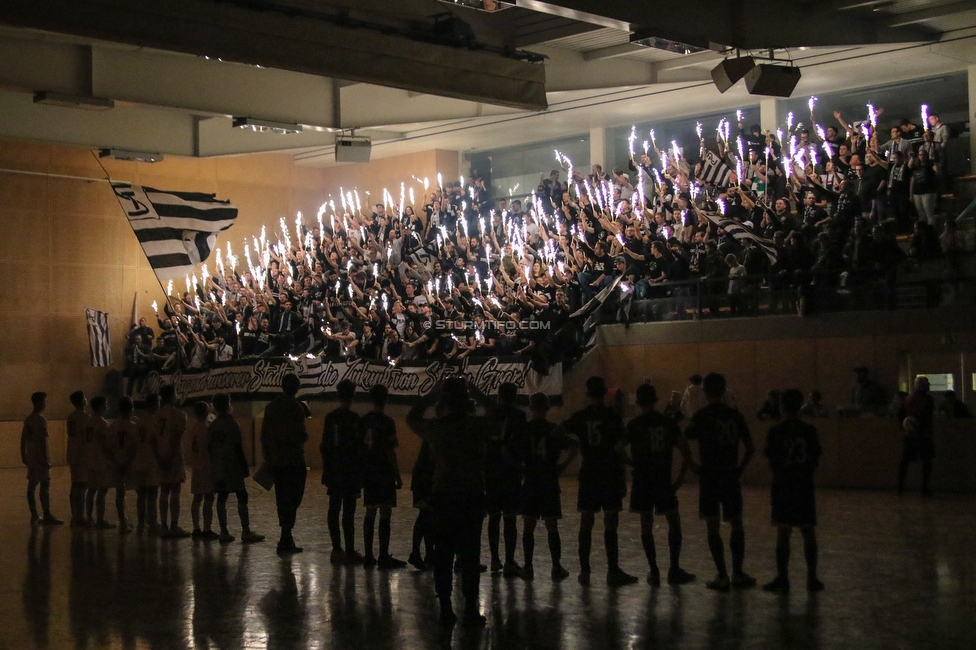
x: 79, y: 472
x: 504, y: 498
x: 601, y: 495
x: 541, y: 501
x: 793, y: 505
x: 720, y: 497
x: 344, y: 490
x: 380, y: 493
x: 38, y: 474
x: 655, y: 497
x: 917, y: 448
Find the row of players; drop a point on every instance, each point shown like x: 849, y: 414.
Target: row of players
x: 521, y: 461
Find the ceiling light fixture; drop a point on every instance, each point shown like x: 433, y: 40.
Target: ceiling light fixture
x: 266, y: 126
x: 73, y: 101
x: 135, y: 156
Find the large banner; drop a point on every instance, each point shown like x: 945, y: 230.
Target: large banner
x: 260, y: 379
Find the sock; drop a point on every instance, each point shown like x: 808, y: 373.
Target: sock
x: 555, y: 547
x: 674, y: 545
x: 242, y: 512
x: 613, y: 552
x: 782, y: 558
x: 737, y: 546
x: 334, y: 533
x: 647, y: 541
x: 369, y: 526
x: 584, y: 550
x: 528, y: 545
x: 494, y: 525
x: 385, y: 525
x: 511, y: 539
x: 810, y: 554
x: 349, y: 526
x: 717, y: 549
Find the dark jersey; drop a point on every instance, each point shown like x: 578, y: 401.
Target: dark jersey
x: 793, y: 450
x: 718, y: 429
x: 380, y: 438
x: 505, y: 446
x: 598, y: 429
x: 543, y: 448
x: 652, y: 437
x: 343, y: 447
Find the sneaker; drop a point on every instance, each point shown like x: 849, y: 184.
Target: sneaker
x: 511, y: 570
x: 619, y: 578
x: 369, y: 561
x: 196, y: 534
x: 35, y: 520
x: 527, y: 573
x: 388, y: 562
x: 338, y: 556
x: 743, y: 581
x: 353, y: 557
x: 678, y: 576
x: 584, y: 578
x: 417, y: 562
x: 124, y: 529
x: 250, y: 537
x: 654, y: 577
x: 51, y: 520
x: 104, y: 525
x: 720, y: 583
x: 209, y: 536
x: 779, y: 585
x: 288, y: 549
x: 814, y: 585
x: 496, y: 565
x: 482, y: 568
x: 178, y: 533
x: 559, y: 572
x: 225, y: 538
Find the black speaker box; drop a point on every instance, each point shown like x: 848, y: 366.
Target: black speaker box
x: 772, y: 80
x: 726, y: 73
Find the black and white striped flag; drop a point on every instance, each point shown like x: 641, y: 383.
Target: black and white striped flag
x: 713, y: 170
x: 741, y: 232
x: 177, y: 230
x: 99, y: 344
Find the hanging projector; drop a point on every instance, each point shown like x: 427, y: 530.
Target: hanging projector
x: 352, y: 148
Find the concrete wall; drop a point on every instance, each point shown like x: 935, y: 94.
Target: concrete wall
x: 65, y: 245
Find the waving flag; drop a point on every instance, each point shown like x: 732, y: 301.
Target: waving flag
x: 177, y: 230
x: 714, y: 170
x: 741, y: 232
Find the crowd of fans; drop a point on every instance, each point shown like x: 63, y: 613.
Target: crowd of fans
x: 469, y: 274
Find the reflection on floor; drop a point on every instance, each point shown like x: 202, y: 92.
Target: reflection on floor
x: 900, y: 573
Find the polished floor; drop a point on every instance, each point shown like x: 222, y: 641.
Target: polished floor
x: 900, y: 573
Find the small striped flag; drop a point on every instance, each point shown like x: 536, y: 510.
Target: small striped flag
x: 740, y: 232
x: 177, y: 230
x: 713, y: 170
x: 99, y: 344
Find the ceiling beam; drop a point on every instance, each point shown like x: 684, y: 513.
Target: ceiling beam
x: 750, y: 24
x: 297, y: 43
x: 688, y: 61
x: 611, y: 51
x: 921, y: 15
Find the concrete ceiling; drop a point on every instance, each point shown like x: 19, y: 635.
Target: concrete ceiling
x: 180, y: 71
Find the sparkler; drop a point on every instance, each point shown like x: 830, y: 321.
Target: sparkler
x: 738, y: 115
x: 721, y: 205
x: 872, y: 116
x: 653, y: 141
x: 810, y: 104
x: 698, y: 130
x: 630, y: 142
x: 154, y: 307
x: 789, y: 121
x: 359, y: 206
x: 169, y: 288
x: 440, y: 181
x: 925, y: 116
x: 220, y: 264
